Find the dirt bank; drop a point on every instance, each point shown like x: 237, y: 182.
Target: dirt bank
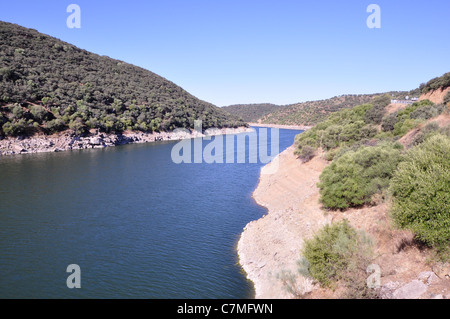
x: 272, y: 244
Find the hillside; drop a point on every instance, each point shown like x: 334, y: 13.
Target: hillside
x: 48, y: 86
x: 306, y: 113
x: 251, y: 112
x: 365, y: 195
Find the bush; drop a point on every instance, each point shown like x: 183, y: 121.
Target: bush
x: 14, y: 128
x: 388, y: 122
x: 307, y: 153
x: 426, y: 112
x: 55, y: 125
x: 343, y: 127
x: 39, y: 113
x: 354, y: 177
x: 336, y: 252
x: 375, y: 114
x: 421, y: 191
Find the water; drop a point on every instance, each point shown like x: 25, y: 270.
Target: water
x: 137, y: 224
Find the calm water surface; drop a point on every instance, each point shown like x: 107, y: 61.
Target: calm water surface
x: 137, y: 224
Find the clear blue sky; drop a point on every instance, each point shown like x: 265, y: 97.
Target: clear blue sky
x: 245, y: 51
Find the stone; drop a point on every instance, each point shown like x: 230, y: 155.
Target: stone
x: 413, y: 290
x: 387, y: 290
x: 95, y: 140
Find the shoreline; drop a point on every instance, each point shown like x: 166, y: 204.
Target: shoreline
x: 64, y: 141
x: 272, y: 244
x: 286, y: 127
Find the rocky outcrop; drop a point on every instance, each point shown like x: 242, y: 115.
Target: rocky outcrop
x: 67, y: 141
x: 424, y: 287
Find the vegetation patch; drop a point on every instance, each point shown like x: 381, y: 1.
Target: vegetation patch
x: 338, y: 253
x: 353, y: 178
x: 421, y: 191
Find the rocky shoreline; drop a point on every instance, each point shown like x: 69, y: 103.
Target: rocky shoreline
x: 67, y: 141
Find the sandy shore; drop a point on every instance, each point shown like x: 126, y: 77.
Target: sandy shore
x: 273, y: 243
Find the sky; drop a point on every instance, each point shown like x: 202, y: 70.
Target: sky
x: 245, y: 51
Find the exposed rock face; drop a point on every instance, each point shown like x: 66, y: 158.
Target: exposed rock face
x: 66, y: 141
x: 435, y: 96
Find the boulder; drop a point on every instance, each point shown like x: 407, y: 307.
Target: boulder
x: 413, y: 290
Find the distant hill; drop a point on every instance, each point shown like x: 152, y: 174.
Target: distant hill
x: 251, y: 112
x: 306, y: 113
x: 47, y: 85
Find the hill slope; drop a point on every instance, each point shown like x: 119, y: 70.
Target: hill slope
x: 50, y: 85
x: 251, y: 112
x: 306, y: 113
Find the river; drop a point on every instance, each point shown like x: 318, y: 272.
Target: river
x: 137, y: 224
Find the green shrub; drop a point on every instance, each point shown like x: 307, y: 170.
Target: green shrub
x: 421, y: 191
x: 389, y: 121
x: 426, y: 112
x: 55, y: 125
x: 343, y: 127
x: 14, y: 128
x: 335, y: 252
x: 39, y: 113
x: 426, y: 132
x: 307, y: 153
x: 354, y: 177
x: 375, y: 114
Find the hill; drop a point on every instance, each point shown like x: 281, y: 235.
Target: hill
x: 48, y: 86
x: 369, y: 198
x: 251, y: 112
x: 306, y: 113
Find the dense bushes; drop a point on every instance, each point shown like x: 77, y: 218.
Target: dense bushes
x: 336, y: 252
x: 375, y: 114
x: 352, y: 179
x: 426, y: 112
x: 402, y: 121
x: 43, y: 79
x: 421, y: 191
x: 343, y: 127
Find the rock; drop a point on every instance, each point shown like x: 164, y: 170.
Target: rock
x: 95, y: 140
x: 387, y: 290
x: 442, y: 270
x: 428, y: 277
x: 413, y: 290
x: 18, y: 149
